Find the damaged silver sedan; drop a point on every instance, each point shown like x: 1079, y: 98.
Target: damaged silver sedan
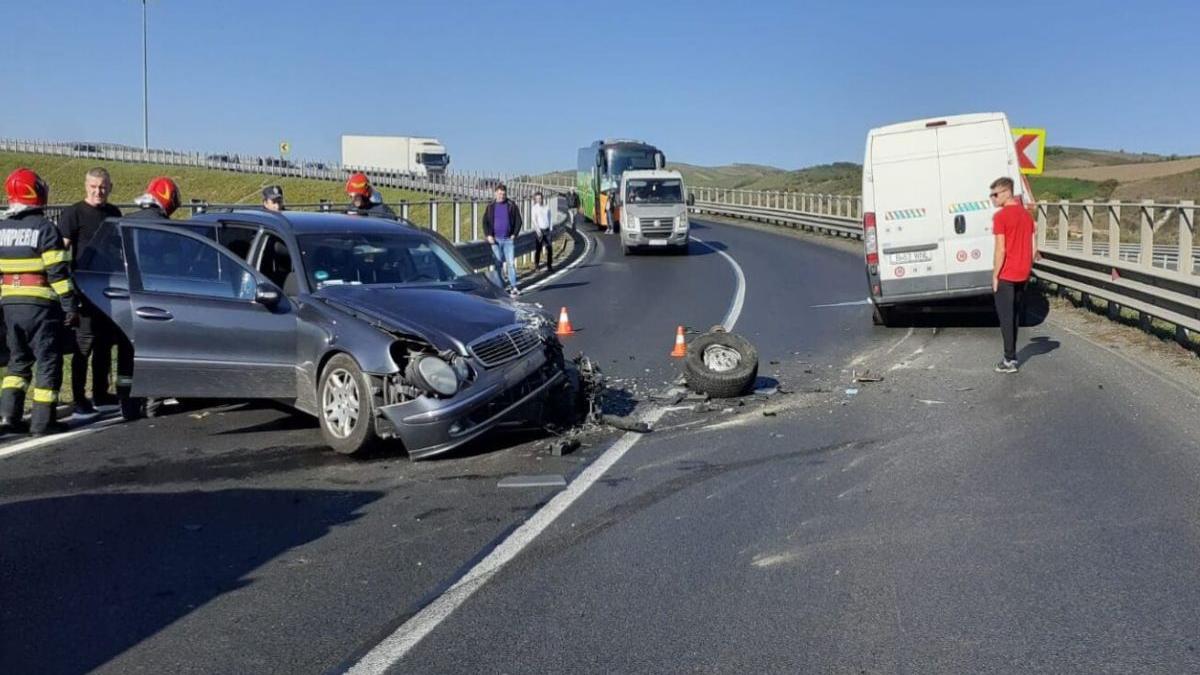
x: 380, y: 330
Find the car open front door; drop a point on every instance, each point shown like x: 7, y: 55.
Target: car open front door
x: 204, y: 324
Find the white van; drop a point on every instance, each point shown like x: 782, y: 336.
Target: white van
x: 927, y: 216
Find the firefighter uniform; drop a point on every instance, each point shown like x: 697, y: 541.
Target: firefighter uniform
x: 36, y: 294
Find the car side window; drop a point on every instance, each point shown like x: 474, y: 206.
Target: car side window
x: 170, y: 262
x: 238, y: 239
x: 104, y: 252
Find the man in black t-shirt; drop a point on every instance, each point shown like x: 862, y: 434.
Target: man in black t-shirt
x: 94, y: 337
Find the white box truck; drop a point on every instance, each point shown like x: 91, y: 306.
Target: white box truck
x: 411, y: 155
x: 927, y: 217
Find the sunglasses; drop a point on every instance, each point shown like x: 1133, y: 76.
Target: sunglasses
x: 997, y: 194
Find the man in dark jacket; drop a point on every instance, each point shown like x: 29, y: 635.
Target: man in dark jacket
x: 38, y: 299
x: 93, y: 337
x: 365, y: 200
x: 501, y: 224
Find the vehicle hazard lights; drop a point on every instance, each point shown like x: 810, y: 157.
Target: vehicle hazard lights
x: 1031, y: 150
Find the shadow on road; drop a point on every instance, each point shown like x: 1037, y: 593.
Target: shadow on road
x: 971, y: 313
x: 85, y: 578
x: 1036, y: 347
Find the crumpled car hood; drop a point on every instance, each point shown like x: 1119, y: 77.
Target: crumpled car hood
x: 448, y: 315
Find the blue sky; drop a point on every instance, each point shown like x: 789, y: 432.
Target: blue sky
x: 518, y: 86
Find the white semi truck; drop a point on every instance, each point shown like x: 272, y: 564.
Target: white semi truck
x: 412, y: 155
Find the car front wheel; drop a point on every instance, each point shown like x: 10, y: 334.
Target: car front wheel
x: 347, y: 407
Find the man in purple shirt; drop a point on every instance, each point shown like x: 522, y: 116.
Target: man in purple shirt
x: 502, y: 224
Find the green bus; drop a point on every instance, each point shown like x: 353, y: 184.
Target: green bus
x: 599, y: 172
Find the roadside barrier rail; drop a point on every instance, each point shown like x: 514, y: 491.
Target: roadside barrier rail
x: 1135, y: 255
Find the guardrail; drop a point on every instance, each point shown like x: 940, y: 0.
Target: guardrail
x: 462, y: 226
x: 1126, y: 253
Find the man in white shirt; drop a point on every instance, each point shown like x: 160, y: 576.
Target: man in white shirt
x: 543, y: 229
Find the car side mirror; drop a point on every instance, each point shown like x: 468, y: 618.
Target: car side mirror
x: 691, y: 200
x: 267, y: 295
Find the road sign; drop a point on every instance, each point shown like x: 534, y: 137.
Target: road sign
x: 284, y: 147
x: 1031, y: 150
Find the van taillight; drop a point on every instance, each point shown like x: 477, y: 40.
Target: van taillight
x: 870, y: 241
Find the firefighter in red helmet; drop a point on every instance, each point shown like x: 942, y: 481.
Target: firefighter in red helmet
x: 160, y: 200
x: 365, y: 200
x: 38, y: 298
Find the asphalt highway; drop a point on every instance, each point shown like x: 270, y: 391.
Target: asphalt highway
x: 944, y: 519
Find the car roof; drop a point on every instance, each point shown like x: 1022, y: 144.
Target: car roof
x: 310, y: 222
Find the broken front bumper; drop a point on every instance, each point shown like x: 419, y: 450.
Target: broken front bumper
x: 429, y: 426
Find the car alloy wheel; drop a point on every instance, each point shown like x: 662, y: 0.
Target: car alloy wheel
x: 341, y: 405
x: 721, y: 359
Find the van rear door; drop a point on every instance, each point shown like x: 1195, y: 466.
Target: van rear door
x: 972, y: 156
x: 907, y: 195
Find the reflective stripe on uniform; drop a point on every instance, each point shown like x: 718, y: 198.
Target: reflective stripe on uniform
x: 124, y: 381
x: 18, y: 265
x: 62, y: 286
x: 56, y: 256
x: 27, y: 292
x: 44, y: 395
x: 14, y: 382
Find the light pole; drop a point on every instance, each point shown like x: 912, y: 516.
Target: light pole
x: 145, y: 90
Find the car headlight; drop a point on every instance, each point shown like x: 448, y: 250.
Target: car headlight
x: 681, y: 223
x: 434, y: 375
x: 462, y: 369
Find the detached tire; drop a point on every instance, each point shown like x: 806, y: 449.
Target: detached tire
x: 722, y: 365
x: 346, y: 407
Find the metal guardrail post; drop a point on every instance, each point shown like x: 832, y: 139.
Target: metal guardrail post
x: 1146, y: 238
x: 1187, y: 258
x: 433, y: 215
x: 1089, y: 216
x: 1063, y: 225
x: 404, y: 209
x: 457, y: 221
x: 1114, y: 232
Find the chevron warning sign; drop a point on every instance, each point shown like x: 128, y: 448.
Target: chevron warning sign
x: 1031, y: 150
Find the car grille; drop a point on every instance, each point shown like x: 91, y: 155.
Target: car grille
x: 650, y: 224
x: 505, y: 345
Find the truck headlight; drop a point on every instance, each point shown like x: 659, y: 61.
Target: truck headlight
x: 433, y: 375
x: 681, y: 223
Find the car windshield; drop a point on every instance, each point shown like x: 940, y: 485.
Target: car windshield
x: 376, y: 258
x: 621, y: 160
x: 654, y: 191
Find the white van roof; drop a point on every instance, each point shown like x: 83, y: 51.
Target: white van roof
x: 950, y: 120
x: 652, y: 173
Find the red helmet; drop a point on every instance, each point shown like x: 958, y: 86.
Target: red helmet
x: 358, y: 185
x: 26, y: 187
x: 165, y: 192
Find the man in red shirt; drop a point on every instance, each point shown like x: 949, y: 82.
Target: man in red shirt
x: 1015, y: 251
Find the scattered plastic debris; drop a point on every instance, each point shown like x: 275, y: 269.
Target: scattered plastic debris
x: 852, y: 392
x: 866, y: 376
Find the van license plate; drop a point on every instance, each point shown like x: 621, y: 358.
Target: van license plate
x: 909, y: 258
x: 658, y: 242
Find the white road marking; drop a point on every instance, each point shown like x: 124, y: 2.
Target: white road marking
x: 396, y: 646
x: 587, y: 250
x: 852, y: 303
x: 739, y: 296
x: 35, y: 443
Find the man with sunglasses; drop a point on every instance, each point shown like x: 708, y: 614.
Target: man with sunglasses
x: 1016, y: 249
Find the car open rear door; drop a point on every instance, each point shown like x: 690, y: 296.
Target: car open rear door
x: 973, y: 154
x: 198, y: 329
x: 904, y: 174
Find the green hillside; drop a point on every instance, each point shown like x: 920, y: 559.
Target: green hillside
x: 65, y: 175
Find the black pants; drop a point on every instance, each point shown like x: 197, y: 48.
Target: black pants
x: 543, y: 240
x: 92, y: 343
x: 34, y: 338
x: 1010, y: 300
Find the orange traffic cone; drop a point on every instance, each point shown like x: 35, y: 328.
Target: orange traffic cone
x: 564, y: 323
x: 680, y: 350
